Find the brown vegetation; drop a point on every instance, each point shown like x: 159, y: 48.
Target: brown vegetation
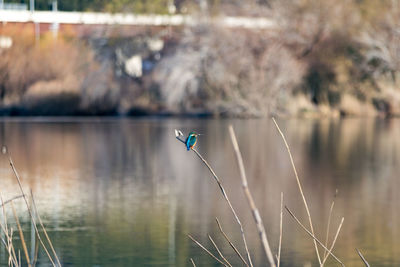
x: 50, y: 76
x: 323, y: 58
x: 14, y: 254
x: 327, y: 249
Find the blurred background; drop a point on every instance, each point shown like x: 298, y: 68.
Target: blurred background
x: 219, y: 58
x: 91, y: 92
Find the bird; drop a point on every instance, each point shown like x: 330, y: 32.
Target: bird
x: 191, y: 140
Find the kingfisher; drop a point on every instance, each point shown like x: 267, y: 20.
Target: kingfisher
x: 191, y: 140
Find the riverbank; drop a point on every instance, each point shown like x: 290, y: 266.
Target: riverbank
x: 346, y: 67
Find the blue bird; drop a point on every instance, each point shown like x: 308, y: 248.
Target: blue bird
x: 191, y: 140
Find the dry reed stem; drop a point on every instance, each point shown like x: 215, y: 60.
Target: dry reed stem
x: 313, y: 236
x: 10, y: 258
x: 30, y: 211
x: 194, y: 265
x: 219, y: 251
x: 9, y: 200
x: 224, y: 195
x: 278, y: 258
x: 4, y: 213
x: 230, y: 243
x: 21, y: 235
x: 206, y: 250
x: 300, y: 187
x: 36, y: 253
x: 329, y: 223
x: 8, y: 244
x: 362, y: 258
x: 44, y: 230
x: 250, y: 200
x: 334, y: 241
x: 11, y: 247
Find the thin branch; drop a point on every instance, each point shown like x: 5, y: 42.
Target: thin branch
x: 21, y: 235
x: 329, y: 223
x: 9, y: 200
x: 230, y: 243
x: 206, y: 250
x: 219, y: 251
x: 44, y: 230
x: 250, y: 200
x: 300, y: 187
x: 278, y: 258
x: 30, y: 211
x: 334, y: 241
x: 362, y: 258
x: 178, y: 137
x: 194, y: 265
x: 310, y: 234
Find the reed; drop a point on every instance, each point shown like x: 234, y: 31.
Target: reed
x: 206, y: 250
x: 15, y: 257
x: 329, y: 223
x: 178, y: 135
x: 278, y: 256
x: 219, y: 251
x: 299, y: 186
x: 362, y: 258
x: 257, y: 218
x: 250, y: 200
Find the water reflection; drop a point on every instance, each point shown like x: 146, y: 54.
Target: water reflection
x: 124, y: 192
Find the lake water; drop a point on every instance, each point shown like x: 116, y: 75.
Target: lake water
x: 125, y: 192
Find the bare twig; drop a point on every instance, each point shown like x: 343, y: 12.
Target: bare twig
x: 362, y: 258
x: 230, y: 243
x: 219, y: 251
x: 334, y: 241
x: 194, y: 265
x: 44, y: 230
x: 21, y: 235
x: 206, y: 250
x: 278, y: 258
x: 178, y: 137
x: 300, y: 188
x: 30, y: 211
x: 250, y: 200
x: 313, y: 236
x: 329, y: 223
x: 9, y: 200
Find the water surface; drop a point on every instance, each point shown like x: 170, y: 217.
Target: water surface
x: 125, y: 192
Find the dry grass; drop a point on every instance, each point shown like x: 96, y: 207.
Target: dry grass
x: 7, y: 229
x: 52, y: 76
x: 328, y: 251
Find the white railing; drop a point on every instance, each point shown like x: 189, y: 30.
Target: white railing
x: 127, y: 19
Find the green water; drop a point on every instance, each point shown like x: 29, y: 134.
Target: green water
x: 124, y: 192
